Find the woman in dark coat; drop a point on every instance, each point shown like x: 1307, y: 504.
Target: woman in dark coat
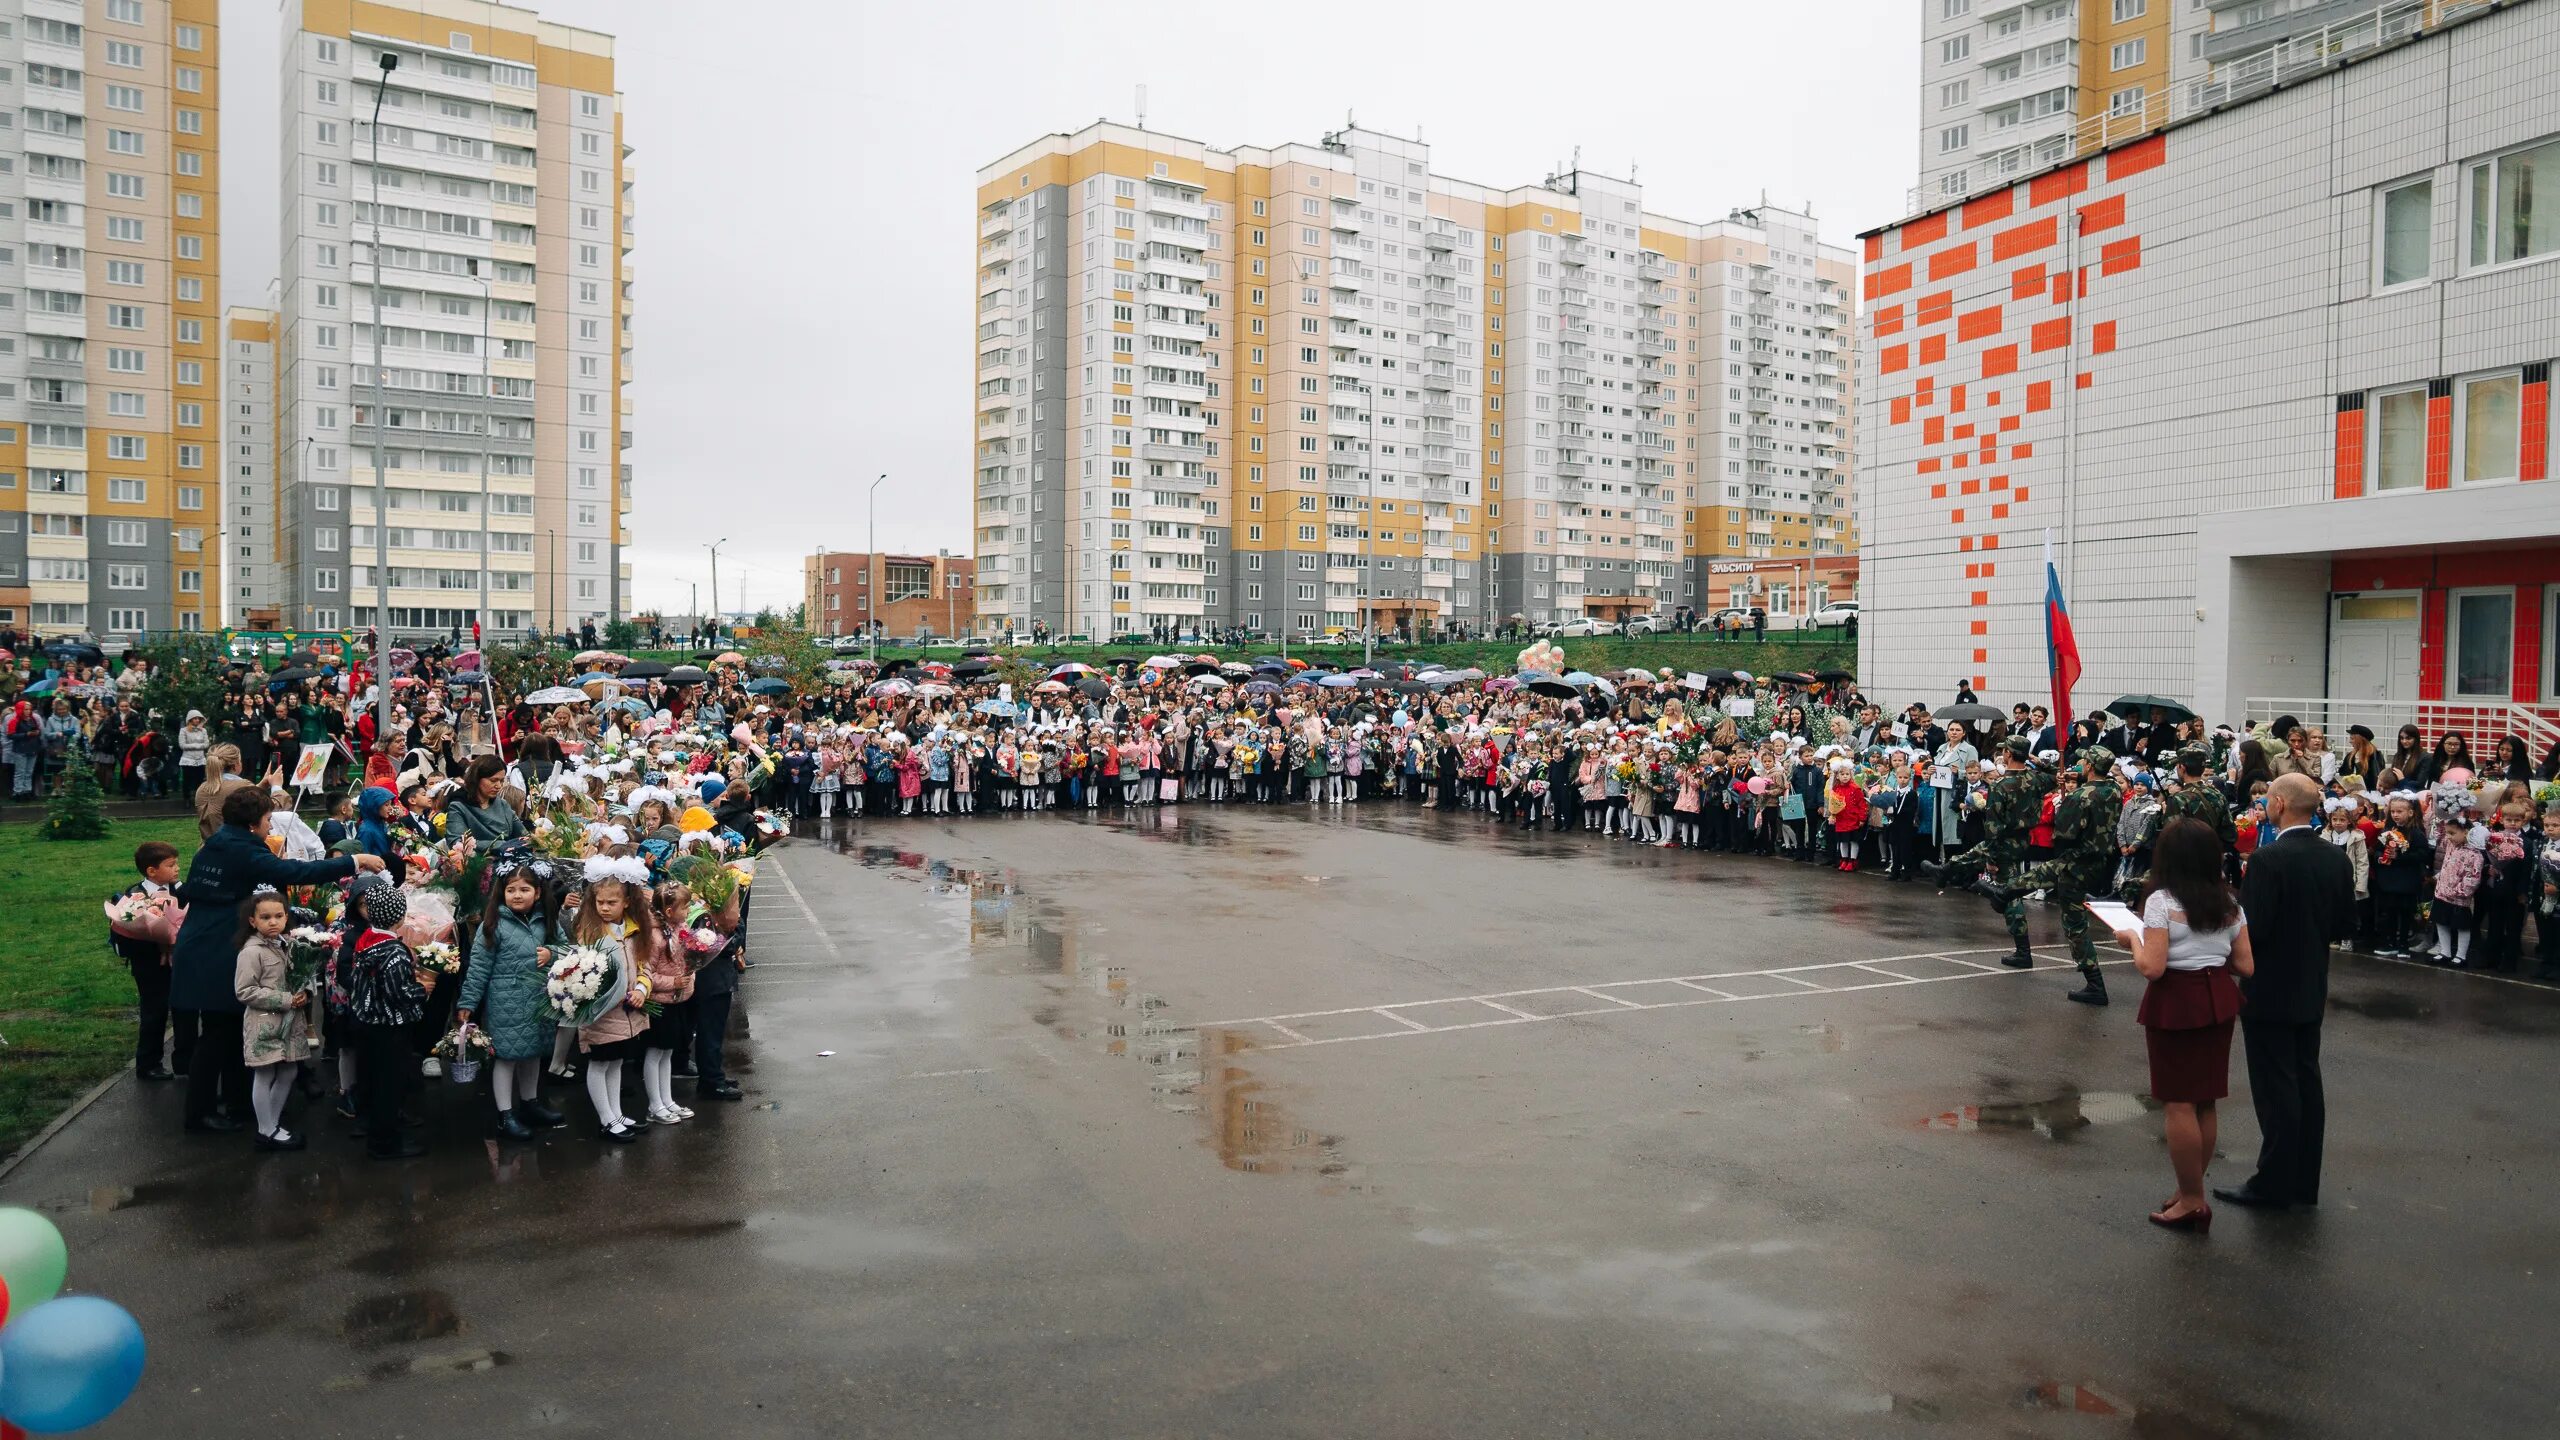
x: 234, y: 861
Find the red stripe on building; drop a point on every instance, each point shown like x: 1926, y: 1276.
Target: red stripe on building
x: 1891, y: 281
x: 2534, y: 451
x: 1889, y: 320
x: 2039, y: 396
x: 1927, y: 230
x: 2431, y: 645
x: 1974, y: 324
x: 1999, y: 360
x: 2141, y: 155
x: 2102, y: 337
x: 1875, y: 248
x: 2050, y: 334
x: 1989, y: 208
x: 2350, y: 451
x: 2120, y: 256
x: 1954, y: 261
x: 1933, y: 348
x: 2027, y: 284
x: 2060, y: 185
x: 2439, y: 450
x: 2104, y: 215
x: 2525, y: 686
x: 1933, y: 308
x: 1893, y: 358
x: 2020, y: 239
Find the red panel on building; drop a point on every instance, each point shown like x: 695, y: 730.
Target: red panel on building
x: 1889, y: 320
x: 1891, y: 281
x: 2525, y: 684
x: 1954, y: 261
x: 2020, y: 239
x: 1989, y: 208
x: 1999, y: 360
x: 2350, y: 451
x: 2060, y: 185
x: 2120, y: 256
x: 1974, y: 324
x: 2431, y: 645
x: 2027, y: 284
x: 1893, y: 358
x: 2534, y: 453
x: 1927, y: 230
x: 1934, y: 308
x: 1901, y: 409
x: 1933, y: 430
x: 2050, y: 334
x: 2104, y: 215
x: 2439, y: 444
x: 2141, y: 155
x: 1933, y: 348
x: 2039, y: 396
x: 1875, y: 248
x: 2102, y: 337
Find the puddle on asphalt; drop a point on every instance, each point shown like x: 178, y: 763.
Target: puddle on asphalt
x: 2059, y: 1118
x: 2382, y: 1005
x: 404, y: 1317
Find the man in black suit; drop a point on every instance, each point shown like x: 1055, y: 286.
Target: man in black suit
x: 2299, y: 898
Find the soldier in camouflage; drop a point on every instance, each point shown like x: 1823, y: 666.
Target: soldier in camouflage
x: 2197, y: 798
x: 2016, y: 804
x: 2084, y: 859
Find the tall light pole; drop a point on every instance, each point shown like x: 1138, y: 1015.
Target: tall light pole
x: 381, y: 485
x: 480, y: 618
x: 871, y: 565
x: 553, y: 590
x: 715, y: 581
x: 1368, y: 536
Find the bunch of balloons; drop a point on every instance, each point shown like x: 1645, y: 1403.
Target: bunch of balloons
x: 65, y: 1363
x: 1544, y: 658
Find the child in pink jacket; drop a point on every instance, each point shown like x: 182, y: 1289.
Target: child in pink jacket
x: 2457, y: 881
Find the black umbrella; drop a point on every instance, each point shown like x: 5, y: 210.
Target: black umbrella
x: 1968, y: 715
x: 466, y: 678
x: 1550, y: 685
x: 892, y: 667
x: 1374, y: 682
x: 75, y: 650
x: 1098, y: 689
x: 971, y: 667
x: 1791, y: 677
x: 1201, y: 667
x: 290, y: 674
x: 644, y: 670
x: 1269, y: 662
x: 687, y: 675
x: 705, y: 657
x: 2138, y: 707
x: 1818, y: 675
x: 1413, y: 687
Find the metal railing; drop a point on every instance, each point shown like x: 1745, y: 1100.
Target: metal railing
x: 2481, y: 722
x: 2284, y: 61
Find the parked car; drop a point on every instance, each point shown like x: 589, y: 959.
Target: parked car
x: 1581, y: 627
x: 1835, y: 615
x: 1644, y: 625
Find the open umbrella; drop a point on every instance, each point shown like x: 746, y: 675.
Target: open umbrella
x: 1511, y: 682
x: 1636, y: 677
x: 1295, y: 663
x: 38, y: 690
x: 556, y: 695
x: 1002, y: 709
x: 1072, y: 667
x: 401, y: 662
x: 1551, y: 685
x: 686, y: 675
x: 75, y: 650
x: 1261, y: 687
x: 971, y: 669
x: 465, y: 679
x: 1269, y: 662
x: 1968, y: 715
x: 1338, y: 682
x: 728, y: 657
x: 583, y: 657
x: 889, y: 687
x: 624, y: 702
x: 1791, y: 677
x: 1051, y: 687
x: 1207, y: 682
x: 934, y: 668
x: 2139, y: 707
x: 1375, y: 682
x: 1098, y: 689
x: 769, y: 685
x: 1203, y: 665
x: 933, y: 689
x: 643, y: 670
x: 1235, y: 668
x: 1310, y: 678
x: 1584, y: 680
x: 1413, y: 687
x: 1163, y: 662
x: 291, y: 674
x: 1836, y: 675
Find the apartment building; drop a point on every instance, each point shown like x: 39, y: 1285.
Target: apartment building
x: 110, y: 224
x: 252, y: 577
x: 933, y: 594
x: 2274, y: 380
x: 502, y: 207
x: 1317, y: 386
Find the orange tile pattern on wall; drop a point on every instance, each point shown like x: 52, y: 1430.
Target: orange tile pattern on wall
x: 2010, y: 302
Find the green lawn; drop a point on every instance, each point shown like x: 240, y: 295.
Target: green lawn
x: 66, y: 1000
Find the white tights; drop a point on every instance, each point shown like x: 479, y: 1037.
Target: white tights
x: 658, y: 1078
x: 2453, y: 942
x: 604, y: 1091
x: 268, y: 1087
x: 561, y: 1040
x: 515, y: 1081
x: 346, y: 1069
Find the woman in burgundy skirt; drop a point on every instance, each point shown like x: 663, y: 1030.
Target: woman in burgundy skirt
x: 2194, y: 940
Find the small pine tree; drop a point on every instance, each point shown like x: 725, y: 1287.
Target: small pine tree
x: 76, y: 810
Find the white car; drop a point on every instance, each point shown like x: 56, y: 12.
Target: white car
x: 1833, y: 616
x: 1645, y: 625
x: 1581, y: 628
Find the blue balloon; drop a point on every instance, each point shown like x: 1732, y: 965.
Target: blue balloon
x: 68, y: 1363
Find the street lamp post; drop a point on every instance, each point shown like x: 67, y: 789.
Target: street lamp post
x: 871, y: 566
x: 715, y: 581
x: 551, y: 621
x: 480, y: 618
x: 1368, y: 538
x: 381, y: 484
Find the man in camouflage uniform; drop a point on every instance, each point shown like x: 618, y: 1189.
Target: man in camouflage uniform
x: 2197, y: 798
x: 2084, y: 860
x: 2016, y: 804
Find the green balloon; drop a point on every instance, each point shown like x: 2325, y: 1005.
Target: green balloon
x: 32, y: 1261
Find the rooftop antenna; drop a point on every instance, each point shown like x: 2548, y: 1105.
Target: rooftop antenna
x: 1142, y: 107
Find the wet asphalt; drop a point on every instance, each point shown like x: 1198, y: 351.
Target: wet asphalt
x: 1373, y: 1121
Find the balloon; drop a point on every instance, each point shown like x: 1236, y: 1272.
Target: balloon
x: 68, y: 1363
x: 32, y: 1261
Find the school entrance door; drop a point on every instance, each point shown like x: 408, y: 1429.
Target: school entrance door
x: 2373, y: 647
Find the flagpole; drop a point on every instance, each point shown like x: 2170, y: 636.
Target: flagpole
x: 2070, y: 417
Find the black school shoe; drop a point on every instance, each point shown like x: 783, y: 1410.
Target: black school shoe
x: 720, y: 1090
x: 539, y: 1115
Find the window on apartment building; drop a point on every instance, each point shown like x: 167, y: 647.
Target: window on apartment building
x: 2488, y: 434
x: 2406, y: 242
x: 1954, y: 9
x: 2127, y: 101
x: 1954, y: 94
x: 1954, y: 137
x: 2131, y: 10
x: 2506, y: 223
x: 2399, y: 439
x: 2125, y: 54
x: 2480, y: 627
x: 1954, y: 48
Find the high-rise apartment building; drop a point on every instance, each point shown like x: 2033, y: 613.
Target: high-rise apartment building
x: 1317, y: 386
x: 2010, y: 87
x: 503, y: 333
x: 251, y: 578
x: 110, y: 224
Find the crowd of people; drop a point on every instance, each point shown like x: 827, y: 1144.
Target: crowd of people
x: 578, y: 811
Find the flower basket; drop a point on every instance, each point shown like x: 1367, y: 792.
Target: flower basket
x: 462, y: 1049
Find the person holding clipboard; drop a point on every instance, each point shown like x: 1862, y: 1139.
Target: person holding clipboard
x: 2189, y: 942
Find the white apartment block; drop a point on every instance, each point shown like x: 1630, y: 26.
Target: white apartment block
x: 252, y: 580
x: 503, y: 329
x: 1316, y: 386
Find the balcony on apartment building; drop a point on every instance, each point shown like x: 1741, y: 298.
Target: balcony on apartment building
x: 1178, y: 203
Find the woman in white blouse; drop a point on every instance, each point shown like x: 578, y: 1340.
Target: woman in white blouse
x: 2193, y: 941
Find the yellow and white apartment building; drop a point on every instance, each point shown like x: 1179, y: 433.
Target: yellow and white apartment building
x: 1317, y: 386
x: 110, y: 242
x: 506, y: 229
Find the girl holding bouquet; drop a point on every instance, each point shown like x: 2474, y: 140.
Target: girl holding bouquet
x: 675, y: 950
x: 281, y: 1030
x: 605, y: 922
x: 503, y: 993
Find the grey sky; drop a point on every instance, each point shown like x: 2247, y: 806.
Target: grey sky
x: 806, y: 173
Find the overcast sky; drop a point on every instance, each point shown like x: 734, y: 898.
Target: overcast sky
x: 807, y: 171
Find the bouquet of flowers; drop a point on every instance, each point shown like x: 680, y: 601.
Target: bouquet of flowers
x: 152, y: 918
x: 429, y: 919
x: 462, y: 1049
x: 713, y: 883
x: 584, y: 984
x: 699, y: 943
x: 308, y: 949
x: 437, y: 957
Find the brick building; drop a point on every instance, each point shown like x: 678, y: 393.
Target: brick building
x: 918, y: 594
x: 2275, y: 380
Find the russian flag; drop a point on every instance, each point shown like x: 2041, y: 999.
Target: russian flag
x: 2061, y: 648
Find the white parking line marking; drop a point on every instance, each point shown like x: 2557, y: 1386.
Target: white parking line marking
x: 1709, y: 995
x: 817, y: 931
